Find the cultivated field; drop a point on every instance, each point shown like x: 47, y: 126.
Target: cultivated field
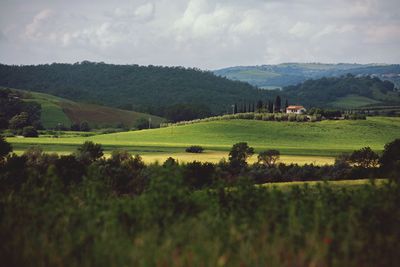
x: 57, y: 110
x: 298, y: 142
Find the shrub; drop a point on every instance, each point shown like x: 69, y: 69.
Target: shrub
x: 194, y: 149
x: 29, y: 131
x: 5, y: 148
x: 292, y: 117
x: 89, y: 152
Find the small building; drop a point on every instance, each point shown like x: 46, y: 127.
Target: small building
x: 296, y: 110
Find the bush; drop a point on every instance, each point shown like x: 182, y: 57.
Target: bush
x: 29, y: 131
x: 194, y: 149
x: 5, y: 148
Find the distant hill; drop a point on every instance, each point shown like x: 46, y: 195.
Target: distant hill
x: 345, y: 92
x: 277, y: 76
x: 143, y: 88
x: 56, y: 110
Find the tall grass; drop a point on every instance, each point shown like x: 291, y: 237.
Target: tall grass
x: 169, y: 225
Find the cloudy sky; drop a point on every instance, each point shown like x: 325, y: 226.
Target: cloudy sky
x: 208, y: 34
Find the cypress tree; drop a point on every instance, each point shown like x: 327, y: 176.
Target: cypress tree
x: 277, y: 104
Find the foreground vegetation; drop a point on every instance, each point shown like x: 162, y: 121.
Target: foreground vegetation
x: 84, y: 210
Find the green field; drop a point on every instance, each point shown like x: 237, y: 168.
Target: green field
x: 353, y: 101
x: 56, y: 110
x: 298, y: 142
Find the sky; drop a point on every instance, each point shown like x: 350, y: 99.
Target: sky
x: 206, y: 34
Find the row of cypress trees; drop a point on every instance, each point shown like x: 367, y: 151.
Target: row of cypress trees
x: 267, y: 106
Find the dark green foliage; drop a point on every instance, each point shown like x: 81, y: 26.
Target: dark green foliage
x: 268, y: 157
x: 186, y: 112
x: 194, y: 149
x: 89, y: 152
x: 322, y: 91
x: 122, y: 173
x: 75, y: 127
x: 19, y: 121
x: 84, y: 126
x: 69, y: 169
x: 29, y: 131
x: 15, y: 113
x: 245, y: 225
x: 277, y: 104
x: 143, y: 88
x: 142, y: 123
x: 390, y: 160
x: 364, y: 158
x: 117, y: 211
x: 198, y: 175
x: 5, y: 148
x: 238, y: 156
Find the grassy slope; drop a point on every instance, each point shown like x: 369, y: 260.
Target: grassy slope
x: 298, y: 142
x: 353, y: 101
x: 325, y: 137
x: 58, y: 110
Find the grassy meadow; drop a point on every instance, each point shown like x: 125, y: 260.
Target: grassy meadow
x: 57, y: 110
x: 315, y: 142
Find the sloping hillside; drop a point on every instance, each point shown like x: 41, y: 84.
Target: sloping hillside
x: 150, y: 89
x: 343, y: 92
x: 325, y: 138
x: 56, y: 110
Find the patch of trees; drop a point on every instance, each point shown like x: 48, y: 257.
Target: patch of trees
x: 23, y: 118
x: 194, y: 149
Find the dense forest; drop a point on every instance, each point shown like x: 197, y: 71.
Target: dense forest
x: 154, y: 89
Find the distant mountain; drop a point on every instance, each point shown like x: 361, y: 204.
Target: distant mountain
x: 277, y: 76
x: 151, y: 89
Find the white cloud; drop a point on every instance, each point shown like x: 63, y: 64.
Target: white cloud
x: 34, y: 29
x: 200, y: 33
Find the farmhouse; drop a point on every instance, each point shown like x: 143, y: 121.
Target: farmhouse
x: 295, y: 109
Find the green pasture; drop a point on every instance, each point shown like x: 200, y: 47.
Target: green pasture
x: 310, y: 142
x: 353, y: 101
x: 52, y: 113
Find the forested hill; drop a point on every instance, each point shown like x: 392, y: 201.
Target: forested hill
x: 343, y: 92
x: 142, y: 88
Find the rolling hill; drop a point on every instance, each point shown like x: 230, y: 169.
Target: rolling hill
x: 150, y: 89
x: 304, y: 142
x: 281, y: 75
x: 56, y: 110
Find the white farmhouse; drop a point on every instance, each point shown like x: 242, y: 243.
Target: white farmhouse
x: 296, y: 110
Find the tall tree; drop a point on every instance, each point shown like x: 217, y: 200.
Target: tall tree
x: 259, y: 105
x: 270, y: 106
x: 277, y: 104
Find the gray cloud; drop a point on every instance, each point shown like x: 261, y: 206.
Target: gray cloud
x: 200, y: 33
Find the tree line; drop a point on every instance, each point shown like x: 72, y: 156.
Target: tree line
x: 124, y: 173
